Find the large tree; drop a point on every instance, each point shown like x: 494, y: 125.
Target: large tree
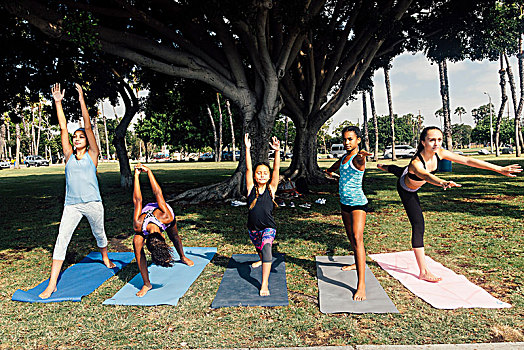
x: 308, y: 56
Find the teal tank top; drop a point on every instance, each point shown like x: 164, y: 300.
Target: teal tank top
x: 81, y: 181
x: 350, y: 184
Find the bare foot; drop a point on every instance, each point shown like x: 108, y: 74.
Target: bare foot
x: 144, y: 290
x: 256, y: 264
x: 187, y: 261
x: 264, y: 291
x: 349, y: 267
x: 47, y: 292
x: 109, y: 264
x: 382, y: 166
x: 360, y: 294
x: 429, y: 277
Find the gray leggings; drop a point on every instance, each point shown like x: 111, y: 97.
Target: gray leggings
x: 71, y: 216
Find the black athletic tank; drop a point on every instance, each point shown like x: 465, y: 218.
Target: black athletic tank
x: 261, y: 216
x: 415, y: 177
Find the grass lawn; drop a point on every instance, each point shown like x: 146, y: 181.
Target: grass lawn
x: 475, y: 230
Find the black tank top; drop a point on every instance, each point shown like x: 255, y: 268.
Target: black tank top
x: 415, y: 177
x: 261, y: 216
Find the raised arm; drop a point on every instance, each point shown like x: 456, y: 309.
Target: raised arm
x: 157, y: 191
x: 249, y: 165
x: 58, y: 96
x: 137, y: 200
x: 94, y: 152
x: 509, y: 170
x: 275, y: 177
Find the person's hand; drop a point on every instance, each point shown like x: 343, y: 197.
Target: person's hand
x: 510, y: 170
x: 449, y: 184
x: 57, y: 95
x: 247, y: 141
x: 275, y: 146
x: 363, y: 153
x: 331, y: 175
x: 141, y: 168
x: 80, y: 92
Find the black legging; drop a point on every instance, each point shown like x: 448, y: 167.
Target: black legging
x: 411, y: 204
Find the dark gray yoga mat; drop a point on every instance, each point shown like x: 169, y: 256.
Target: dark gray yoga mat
x: 336, y: 288
x: 240, y: 285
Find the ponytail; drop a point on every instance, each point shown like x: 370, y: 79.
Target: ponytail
x: 423, y: 135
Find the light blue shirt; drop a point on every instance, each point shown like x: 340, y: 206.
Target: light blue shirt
x: 81, y: 181
x: 350, y: 184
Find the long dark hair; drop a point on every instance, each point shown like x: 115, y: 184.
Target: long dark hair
x: 256, y: 184
x: 423, y: 135
x: 85, y: 135
x: 160, y: 251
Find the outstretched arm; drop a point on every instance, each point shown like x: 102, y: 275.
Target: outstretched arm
x: 275, y: 177
x: 360, y: 159
x: 419, y: 170
x: 509, y: 170
x: 94, y: 152
x: 64, y: 135
x: 157, y: 191
x: 249, y: 165
x: 137, y: 201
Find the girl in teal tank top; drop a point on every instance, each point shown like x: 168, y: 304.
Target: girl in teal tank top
x: 82, y: 192
x: 353, y: 202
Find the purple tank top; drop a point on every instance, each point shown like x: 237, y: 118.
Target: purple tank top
x: 149, y: 208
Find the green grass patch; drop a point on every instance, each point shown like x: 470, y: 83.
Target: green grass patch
x: 475, y: 230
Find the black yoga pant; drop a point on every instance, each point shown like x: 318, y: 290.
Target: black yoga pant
x: 411, y: 204
x: 267, y: 256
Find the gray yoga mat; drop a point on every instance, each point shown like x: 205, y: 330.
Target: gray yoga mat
x: 336, y: 288
x: 240, y: 285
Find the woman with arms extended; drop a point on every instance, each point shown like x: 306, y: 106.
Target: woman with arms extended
x: 82, y: 192
x: 149, y: 223
x: 421, y: 169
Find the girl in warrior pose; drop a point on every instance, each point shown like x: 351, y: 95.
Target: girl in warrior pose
x: 82, y: 193
x: 353, y: 202
x: 261, y: 187
x: 421, y: 169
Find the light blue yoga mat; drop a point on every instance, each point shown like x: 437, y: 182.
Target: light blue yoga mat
x: 241, y: 283
x: 169, y: 283
x: 78, y: 280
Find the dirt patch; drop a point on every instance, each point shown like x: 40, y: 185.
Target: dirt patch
x: 503, y: 333
x: 119, y: 246
x: 319, y: 337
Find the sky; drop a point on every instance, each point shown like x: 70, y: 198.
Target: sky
x: 415, y: 87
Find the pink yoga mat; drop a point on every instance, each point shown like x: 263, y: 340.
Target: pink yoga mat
x: 454, y: 291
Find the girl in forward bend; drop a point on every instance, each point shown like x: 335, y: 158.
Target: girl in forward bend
x: 353, y: 202
x: 261, y: 185
x: 82, y: 193
x: 421, y: 169
x: 149, y: 223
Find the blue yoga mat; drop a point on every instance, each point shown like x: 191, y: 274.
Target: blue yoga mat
x: 241, y: 283
x: 169, y: 283
x: 78, y: 280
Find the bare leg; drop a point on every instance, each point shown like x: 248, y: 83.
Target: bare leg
x: 105, y: 258
x: 51, y: 287
x: 259, y: 262
x: 140, y: 255
x: 264, y: 289
x: 424, y: 274
x: 172, y: 232
x: 354, y: 223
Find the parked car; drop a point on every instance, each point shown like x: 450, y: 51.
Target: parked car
x: 483, y: 151
x: 271, y: 155
x: 337, y: 150
x: 506, y: 149
x: 401, y: 151
x: 206, y: 157
x: 35, y: 161
x: 228, y: 155
x: 191, y: 157
x: 4, y: 164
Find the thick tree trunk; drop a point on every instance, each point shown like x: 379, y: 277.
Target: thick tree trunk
x: 304, y: 162
x: 375, y: 122
x: 504, y: 99
x: 444, y: 93
x: 365, y: 136
x: 391, y: 115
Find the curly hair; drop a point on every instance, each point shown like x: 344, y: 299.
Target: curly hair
x: 160, y: 251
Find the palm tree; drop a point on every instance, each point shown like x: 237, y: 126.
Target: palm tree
x: 444, y: 93
x: 365, y: 122
x: 460, y: 111
x: 391, y: 115
x: 375, y: 122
